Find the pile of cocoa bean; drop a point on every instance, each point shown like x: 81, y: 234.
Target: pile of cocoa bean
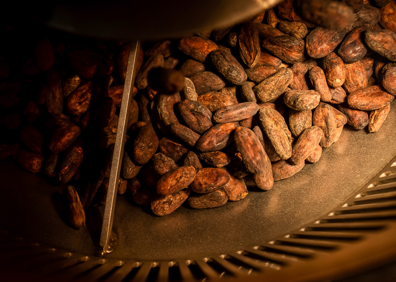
x: 211, y: 114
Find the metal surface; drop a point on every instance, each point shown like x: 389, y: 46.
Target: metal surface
x: 149, y: 19
x: 331, y: 220
x: 118, y: 151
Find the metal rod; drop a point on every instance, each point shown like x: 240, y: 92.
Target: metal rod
x: 118, y: 149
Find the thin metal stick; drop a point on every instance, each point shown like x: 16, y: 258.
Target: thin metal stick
x: 118, y: 149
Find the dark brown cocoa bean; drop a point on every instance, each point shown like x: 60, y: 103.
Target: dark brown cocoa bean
x: 215, y: 159
x: 355, y: 118
x: 214, y: 199
x: 271, y: 18
x: 70, y: 163
x: 383, y: 42
x: 30, y: 161
x: 219, y: 33
x: 369, y: 99
x: 269, y: 60
x: 324, y: 118
x: 274, y: 86
x: 216, y: 138
x: 145, y: 145
x: 321, y: 41
x: 163, y: 47
x: 206, y: 81
x: 115, y: 93
x: 235, y: 189
x: 154, y: 61
x: 301, y: 100
x: 267, y: 145
x: 367, y: 17
x: 128, y: 169
x: 338, y: 95
x: 79, y: 100
x: 228, y: 67
x: 287, y: 48
x: 299, y: 82
x: 171, y: 63
x: 377, y: 118
x: 133, y: 113
x: 143, y: 109
x: 266, y: 30
x: 306, y: 143
x: 355, y: 77
x: 74, y: 209
x: 315, y: 155
x: 299, y: 121
x: 185, y: 134
x: 249, y: 44
x: 172, y: 149
x: 340, y: 118
x: 237, y: 112
x: 175, y: 180
x: 388, y: 16
x: 368, y: 63
x: 389, y: 78
x: 329, y: 14
x: 247, y: 92
x: 197, y: 116
x: 63, y: 137
x: 296, y: 29
x: 260, y: 72
x: 217, y: 100
x: 122, y: 186
x: 191, y: 67
x: 188, y: 92
x: 353, y: 48
x: 197, y: 47
x: 50, y: 165
x: 191, y: 159
x: 334, y: 70
x: 209, y: 179
x: 275, y: 128
x: 165, y: 107
x: 282, y: 169
x: 163, y: 205
x: 164, y: 80
x: 70, y: 84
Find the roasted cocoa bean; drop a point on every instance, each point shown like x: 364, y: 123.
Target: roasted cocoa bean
x: 338, y: 95
x: 30, y: 161
x: 197, y: 116
x: 301, y: 100
x: 369, y: 99
x: 206, y: 81
x: 163, y: 205
x: 318, y: 80
x: 247, y: 92
x: 70, y: 163
x: 228, y: 67
x: 70, y: 84
x: 296, y: 29
x: 217, y: 100
x: 145, y: 145
x: 232, y: 39
x: 388, y: 16
x: 266, y: 30
x: 324, y: 118
x: 334, y: 70
x: 209, y: 179
x: 353, y: 48
x: 283, y: 170
x: 63, y: 137
x: 235, y: 189
x: 74, y: 209
x: 389, y: 78
x: 321, y: 41
x: 188, y: 92
x: 215, y: 159
x: 287, y: 48
x: 214, y: 199
x: 216, y: 138
x: 54, y: 97
x: 299, y: 82
x: 191, y: 159
x: 50, y: 165
x: 274, y: 86
x: 383, y: 42
x: 32, y: 138
x: 164, y: 48
x: 355, y: 77
x: 237, y: 112
x: 275, y: 128
x: 197, y: 47
x: 191, y: 67
x: 165, y: 105
x: 128, y: 169
x: 185, y: 134
x: 79, y: 100
x: 172, y: 149
x: 306, y: 143
x: 249, y: 44
x: 377, y: 118
x: 176, y: 180
x: 355, y: 118
x: 260, y: 72
x: 164, y: 80
x: 314, y: 157
x: 340, y: 118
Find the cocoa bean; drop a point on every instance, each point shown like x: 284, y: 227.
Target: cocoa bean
x: 84, y: 63
x: 269, y: 60
x: 191, y: 159
x: 271, y: 18
x: 50, y: 165
x: 171, y: 63
x: 377, y: 118
x: 274, y: 86
x: 266, y: 30
x: 334, y: 70
x: 232, y: 39
x: 249, y: 44
x: 163, y: 205
x: 70, y: 163
x: 367, y: 17
x: 209, y: 179
x: 299, y: 121
x: 175, y: 180
x: 296, y: 29
x: 215, y: 159
x: 356, y: 5
x: 217, y: 100
x: 306, y: 143
x: 338, y: 95
x: 70, y: 84
x: 353, y: 48
x: 206, y: 81
x: 368, y: 63
x: 321, y: 41
x: 197, y: 116
x: 355, y: 118
x: 30, y: 161
x: 324, y: 118
x: 63, y: 137
x: 260, y: 72
x: 369, y: 99
x: 355, y: 77
x: 74, y: 209
x: 228, y: 67
x: 383, y: 42
x: 235, y: 189
x: 31, y: 112
x: 196, y: 47
x: 79, y: 100
x: 388, y: 16
x: 133, y: 113
x: 185, y: 134
x: 389, y: 78
x: 301, y: 100
x: 143, y: 109
x: 164, y: 80
x: 216, y: 138
x: 219, y: 33
x: 314, y: 157
x: 128, y: 169
x: 318, y: 80
x: 275, y: 127
x: 188, y: 92
x: 283, y: 170
x: 145, y: 145
x: 191, y: 67
x: 247, y: 92
x: 164, y: 48
x: 299, y: 82
x: 32, y: 138
x: 340, y: 118
x: 287, y: 48
x: 172, y: 149
x: 165, y: 106
x: 214, y: 199
x: 237, y: 112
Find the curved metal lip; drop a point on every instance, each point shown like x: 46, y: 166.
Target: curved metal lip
x: 121, y: 20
